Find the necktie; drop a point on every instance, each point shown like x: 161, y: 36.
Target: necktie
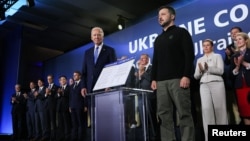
x: 40, y: 89
x: 75, y: 84
x: 96, y: 53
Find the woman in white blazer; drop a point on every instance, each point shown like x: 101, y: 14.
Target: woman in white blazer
x: 209, y: 69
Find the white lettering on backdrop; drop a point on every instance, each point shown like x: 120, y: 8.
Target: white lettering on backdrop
x: 196, y: 27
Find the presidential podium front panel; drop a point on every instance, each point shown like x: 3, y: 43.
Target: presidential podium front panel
x: 119, y: 115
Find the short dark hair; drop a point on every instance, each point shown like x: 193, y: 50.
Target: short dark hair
x: 78, y: 72
x: 41, y: 79
x: 236, y: 27
x: 171, y: 9
x: 63, y: 76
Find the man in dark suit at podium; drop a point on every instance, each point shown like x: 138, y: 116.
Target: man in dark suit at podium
x: 94, y: 61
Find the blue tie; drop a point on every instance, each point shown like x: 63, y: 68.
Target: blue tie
x: 96, y: 53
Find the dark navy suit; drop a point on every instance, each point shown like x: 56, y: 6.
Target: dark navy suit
x: 50, y: 112
x: 39, y: 113
x: 18, y: 116
x: 77, y: 103
x: 63, y: 115
x: 30, y: 113
x: 91, y: 71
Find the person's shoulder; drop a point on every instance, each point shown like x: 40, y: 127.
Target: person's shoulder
x: 200, y: 58
x: 217, y: 55
x: 179, y: 27
x: 89, y: 49
x: 182, y: 29
x: 109, y: 48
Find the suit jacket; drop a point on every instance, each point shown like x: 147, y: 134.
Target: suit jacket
x: 91, y: 71
x: 63, y: 100
x: 39, y: 100
x: 227, y: 61
x: 30, y: 105
x: 130, y: 82
x: 19, y: 105
x: 145, y: 81
x: 50, y: 100
x: 76, y: 100
x: 242, y: 70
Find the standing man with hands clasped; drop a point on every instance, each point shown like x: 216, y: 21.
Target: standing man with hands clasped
x: 172, y: 69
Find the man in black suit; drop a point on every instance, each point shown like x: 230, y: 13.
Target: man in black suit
x: 77, y: 107
x: 18, y: 113
x: 50, y: 107
x: 40, y: 121
x: 30, y: 110
x: 62, y: 109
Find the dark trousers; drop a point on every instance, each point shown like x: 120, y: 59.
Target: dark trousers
x: 78, y: 124
x: 18, y: 125
x: 50, y: 123
x: 30, y: 120
x: 63, y: 126
x: 150, y: 114
x: 40, y: 125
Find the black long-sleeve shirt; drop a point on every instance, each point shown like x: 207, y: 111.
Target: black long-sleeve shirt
x: 173, y: 55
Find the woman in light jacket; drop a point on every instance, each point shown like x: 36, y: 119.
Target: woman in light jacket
x: 209, y: 69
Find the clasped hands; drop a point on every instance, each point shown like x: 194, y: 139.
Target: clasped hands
x: 238, y: 60
x: 203, y: 69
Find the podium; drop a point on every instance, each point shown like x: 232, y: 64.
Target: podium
x: 119, y: 115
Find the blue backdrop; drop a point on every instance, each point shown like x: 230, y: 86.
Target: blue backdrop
x: 202, y: 18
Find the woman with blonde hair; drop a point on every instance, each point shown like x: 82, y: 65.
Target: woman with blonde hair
x: 241, y: 71
x: 209, y: 70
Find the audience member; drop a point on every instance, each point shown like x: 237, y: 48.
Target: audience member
x: 62, y: 109
x: 143, y: 81
x: 71, y: 81
x: 209, y: 69
x: 241, y: 70
x: 30, y: 110
x: 40, y: 121
x: 18, y: 113
x: 233, y: 112
x: 77, y: 107
x: 50, y: 107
